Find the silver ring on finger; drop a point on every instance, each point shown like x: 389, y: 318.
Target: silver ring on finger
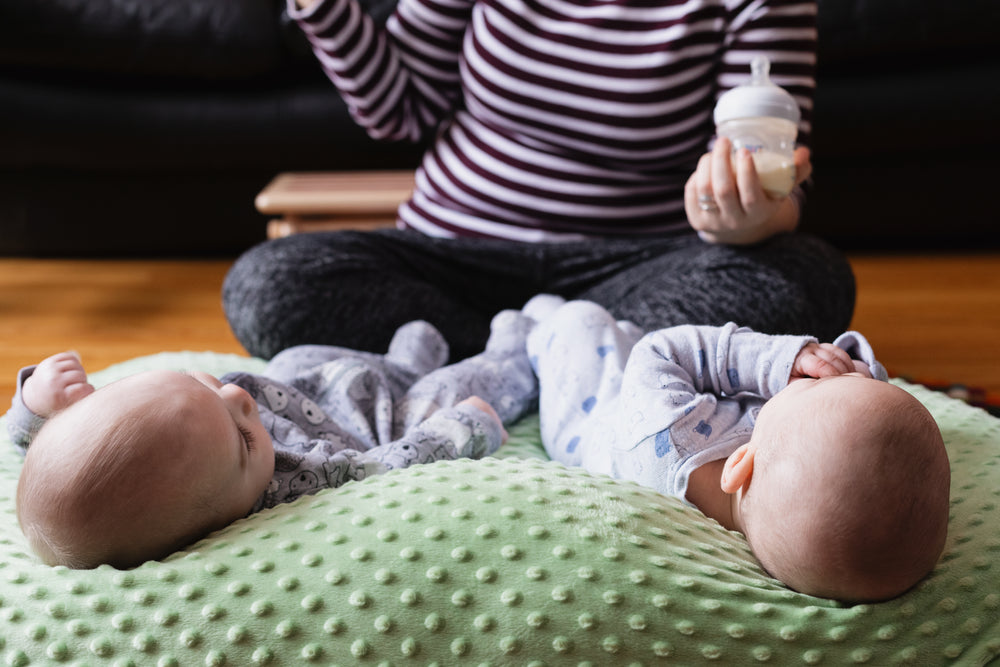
x: 707, y: 203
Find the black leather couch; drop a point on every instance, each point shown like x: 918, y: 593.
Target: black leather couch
x: 146, y: 127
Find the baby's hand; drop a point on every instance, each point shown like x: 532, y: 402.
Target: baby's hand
x: 57, y: 383
x: 477, y: 402
x: 817, y: 360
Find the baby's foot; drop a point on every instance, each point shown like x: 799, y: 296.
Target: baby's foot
x: 540, y: 306
x: 631, y: 329
x: 509, y: 332
x: 418, y: 346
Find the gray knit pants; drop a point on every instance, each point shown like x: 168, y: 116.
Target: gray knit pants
x: 354, y: 289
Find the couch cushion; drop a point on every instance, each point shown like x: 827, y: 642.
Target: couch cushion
x: 892, y: 32
x: 189, y: 38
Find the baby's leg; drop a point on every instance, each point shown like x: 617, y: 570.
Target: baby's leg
x: 416, y: 349
x: 579, y: 353
x: 289, y: 364
x: 500, y: 375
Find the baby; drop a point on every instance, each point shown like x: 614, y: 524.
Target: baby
x: 151, y: 463
x: 839, y: 481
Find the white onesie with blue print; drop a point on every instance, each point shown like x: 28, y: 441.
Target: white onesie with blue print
x: 654, y: 408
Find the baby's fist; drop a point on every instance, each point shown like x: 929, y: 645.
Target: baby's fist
x: 817, y: 360
x: 479, y: 403
x: 58, y: 382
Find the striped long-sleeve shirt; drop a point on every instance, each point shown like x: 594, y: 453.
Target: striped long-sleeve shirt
x: 555, y: 119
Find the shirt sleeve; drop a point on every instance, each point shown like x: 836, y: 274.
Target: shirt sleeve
x: 399, y: 82
x: 859, y: 348
x: 462, y: 431
x: 693, y: 378
x: 22, y: 424
x: 690, y: 396
x: 459, y: 432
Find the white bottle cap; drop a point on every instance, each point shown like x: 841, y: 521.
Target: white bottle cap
x: 758, y: 98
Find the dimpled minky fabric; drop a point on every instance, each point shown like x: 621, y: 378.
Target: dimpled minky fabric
x: 512, y: 560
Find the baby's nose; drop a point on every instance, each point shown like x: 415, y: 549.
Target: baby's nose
x: 239, y: 397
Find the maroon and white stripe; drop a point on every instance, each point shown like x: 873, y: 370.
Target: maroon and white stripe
x: 561, y: 119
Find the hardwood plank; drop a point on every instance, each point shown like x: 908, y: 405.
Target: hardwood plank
x: 934, y: 318
x: 108, y: 311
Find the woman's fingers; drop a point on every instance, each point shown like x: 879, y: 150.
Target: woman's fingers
x: 724, y: 188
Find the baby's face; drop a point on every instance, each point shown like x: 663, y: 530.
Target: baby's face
x: 195, y: 457
x: 229, y: 433
x: 212, y: 440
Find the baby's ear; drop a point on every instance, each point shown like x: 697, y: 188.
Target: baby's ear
x: 738, y: 469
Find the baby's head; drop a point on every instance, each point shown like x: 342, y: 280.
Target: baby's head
x: 845, y: 490
x: 141, y: 468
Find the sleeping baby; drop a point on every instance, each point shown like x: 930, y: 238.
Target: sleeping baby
x: 839, y: 480
x: 151, y: 463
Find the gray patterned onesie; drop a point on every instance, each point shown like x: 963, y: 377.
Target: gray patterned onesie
x: 336, y: 414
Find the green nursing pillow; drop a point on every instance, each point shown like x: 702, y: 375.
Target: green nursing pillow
x: 512, y: 560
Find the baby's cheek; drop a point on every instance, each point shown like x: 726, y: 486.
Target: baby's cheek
x: 267, y: 470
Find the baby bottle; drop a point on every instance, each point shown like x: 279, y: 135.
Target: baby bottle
x: 763, y: 118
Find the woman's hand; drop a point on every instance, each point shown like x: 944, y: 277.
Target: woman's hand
x: 58, y: 382
x: 726, y: 203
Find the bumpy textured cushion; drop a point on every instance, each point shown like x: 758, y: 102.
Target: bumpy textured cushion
x: 510, y: 560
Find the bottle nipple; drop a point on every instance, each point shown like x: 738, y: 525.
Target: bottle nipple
x: 760, y: 71
x: 759, y: 97
x: 762, y: 118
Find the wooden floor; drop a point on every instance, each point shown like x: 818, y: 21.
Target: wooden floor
x: 934, y: 318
